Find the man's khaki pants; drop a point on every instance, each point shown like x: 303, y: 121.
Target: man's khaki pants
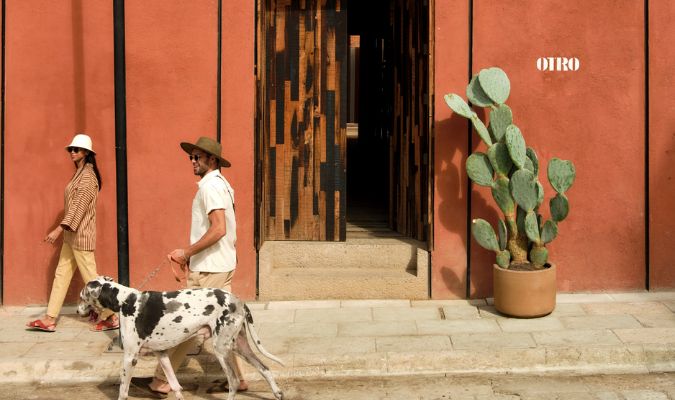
x: 70, y: 260
x: 177, y: 355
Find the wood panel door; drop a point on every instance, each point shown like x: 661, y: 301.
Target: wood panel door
x: 412, y: 139
x: 301, y: 119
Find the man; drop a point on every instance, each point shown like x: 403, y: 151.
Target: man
x: 211, y: 256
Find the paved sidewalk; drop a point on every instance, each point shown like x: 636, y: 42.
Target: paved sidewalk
x: 586, y: 334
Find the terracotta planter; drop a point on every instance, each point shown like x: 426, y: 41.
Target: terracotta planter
x: 524, y: 294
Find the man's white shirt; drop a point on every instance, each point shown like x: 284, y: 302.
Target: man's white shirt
x: 214, y: 193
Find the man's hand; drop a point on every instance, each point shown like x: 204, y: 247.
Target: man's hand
x: 178, y: 256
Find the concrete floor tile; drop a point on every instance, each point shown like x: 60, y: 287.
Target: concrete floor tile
x: 648, y: 307
x: 15, y: 350
x: 448, y: 327
x: 302, y: 329
x: 670, y: 304
x: 279, y: 315
x: 568, y: 310
x: 600, y: 322
x: 530, y: 325
x: 643, y: 296
x: 378, y: 328
x: 647, y: 335
x: 592, y: 359
x: 657, y: 320
x: 582, y: 298
x: 334, y: 345
x: 405, y: 314
x: 303, y: 304
x: 256, y: 305
x: 644, y: 395
x: 576, y: 337
x: 448, y: 303
x: 334, y: 315
x: 607, y: 396
x: 458, y: 312
x: 339, y: 364
x: 374, y: 303
x: 413, y: 343
x: 490, y: 312
x: 81, y: 350
x: 496, y: 340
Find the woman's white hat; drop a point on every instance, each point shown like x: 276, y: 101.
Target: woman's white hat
x: 82, y: 141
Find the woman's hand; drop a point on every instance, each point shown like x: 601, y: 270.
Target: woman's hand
x: 53, y: 235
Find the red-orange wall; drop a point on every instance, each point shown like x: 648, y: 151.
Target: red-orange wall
x: 593, y: 116
x: 449, y: 262
x: 171, y: 58
x: 59, y: 80
x: 661, y: 144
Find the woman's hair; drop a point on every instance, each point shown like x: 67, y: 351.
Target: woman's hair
x: 91, y: 159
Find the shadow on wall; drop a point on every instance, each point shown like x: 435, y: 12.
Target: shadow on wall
x: 451, y: 185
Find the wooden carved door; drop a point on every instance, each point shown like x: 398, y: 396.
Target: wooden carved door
x: 301, y: 119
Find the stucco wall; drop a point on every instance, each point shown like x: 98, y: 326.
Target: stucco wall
x: 661, y: 144
x: 60, y: 80
x: 594, y: 116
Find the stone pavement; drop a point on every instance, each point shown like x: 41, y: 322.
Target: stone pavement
x: 586, y: 334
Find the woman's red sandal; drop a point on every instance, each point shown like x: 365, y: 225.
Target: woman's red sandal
x: 38, y: 325
x: 105, y: 325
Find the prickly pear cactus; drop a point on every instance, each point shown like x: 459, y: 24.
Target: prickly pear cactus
x: 511, y: 169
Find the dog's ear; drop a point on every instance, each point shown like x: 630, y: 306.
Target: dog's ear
x: 94, y: 289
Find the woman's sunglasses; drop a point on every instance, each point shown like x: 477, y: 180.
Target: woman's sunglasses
x: 74, y: 149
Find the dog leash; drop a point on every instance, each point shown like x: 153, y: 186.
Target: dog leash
x: 156, y: 271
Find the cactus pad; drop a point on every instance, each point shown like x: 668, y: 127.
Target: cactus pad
x: 539, y: 256
x: 500, y: 118
x: 524, y: 189
x: 549, y: 232
x: 559, y: 207
x: 532, y: 155
x: 495, y: 84
x: 481, y: 130
x: 532, y: 227
x: 502, y: 195
x: 503, y: 258
x: 516, y: 145
x: 484, y: 234
x: 500, y: 159
x: 476, y: 94
x: 479, y: 169
x: 561, y: 174
x: 458, y: 105
x: 503, y: 234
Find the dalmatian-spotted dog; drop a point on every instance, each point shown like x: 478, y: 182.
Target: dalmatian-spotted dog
x: 157, y: 321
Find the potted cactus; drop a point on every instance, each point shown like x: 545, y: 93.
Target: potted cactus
x: 524, y: 279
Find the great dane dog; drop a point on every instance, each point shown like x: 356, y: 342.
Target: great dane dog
x: 157, y: 321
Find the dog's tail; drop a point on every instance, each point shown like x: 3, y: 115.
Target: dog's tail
x: 256, y: 339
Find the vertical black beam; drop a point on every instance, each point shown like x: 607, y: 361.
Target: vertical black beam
x: 647, y: 208
x: 218, y: 72
x: 2, y: 167
x: 121, y: 144
x: 470, y: 147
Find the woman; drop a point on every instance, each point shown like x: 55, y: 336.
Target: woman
x: 79, y: 235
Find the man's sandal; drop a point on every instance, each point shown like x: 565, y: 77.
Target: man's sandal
x: 220, y: 386
x: 105, y: 325
x: 38, y: 325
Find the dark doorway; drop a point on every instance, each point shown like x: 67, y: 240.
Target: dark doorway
x: 388, y: 128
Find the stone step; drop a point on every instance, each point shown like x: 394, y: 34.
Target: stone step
x: 382, y: 268
x: 363, y: 252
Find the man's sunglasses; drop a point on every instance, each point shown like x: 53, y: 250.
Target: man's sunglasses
x: 195, y: 157
x: 74, y: 149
